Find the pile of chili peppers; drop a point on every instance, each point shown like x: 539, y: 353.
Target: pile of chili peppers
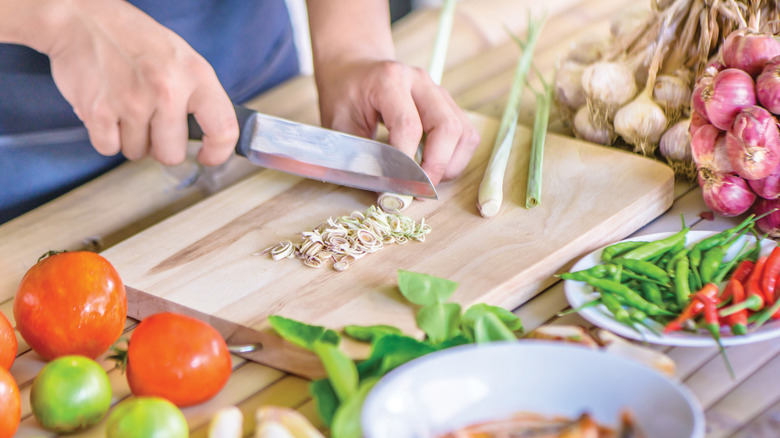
x: 679, y: 286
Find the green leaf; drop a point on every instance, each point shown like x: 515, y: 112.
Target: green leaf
x: 301, y: 334
x: 439, y: 321
x: 390, y: 351
x: 341, y: 370
x: 460, y: 339
x: 325, y: 399
x: 346, y: 421
x: 488, y: 328
x: 367, y: 333
x: 424, y: 289
x: 475, y: 312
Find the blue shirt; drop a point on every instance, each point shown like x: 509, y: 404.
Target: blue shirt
x: 43, y: 150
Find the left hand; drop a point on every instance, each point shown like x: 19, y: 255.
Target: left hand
x: 358, y: 94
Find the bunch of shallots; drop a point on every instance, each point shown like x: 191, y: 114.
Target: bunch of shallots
x: 734, y: 135
x: 633, y: 89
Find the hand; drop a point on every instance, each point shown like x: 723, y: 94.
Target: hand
x: 357, y: 95
x: 132, y: 82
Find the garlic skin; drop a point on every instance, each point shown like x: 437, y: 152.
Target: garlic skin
x: 673, y: 94
x: 641, y: 124
x: 586, y: 130
x: 607, y: 86
x: 588, y: 50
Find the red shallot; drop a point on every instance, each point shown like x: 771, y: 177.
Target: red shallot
x: 753, y: 143
x: 708, y: 147
x: 725, y: 194
x: 769, y: 212
x: 768, y: 86
x: 749, y: 51
x: 729, y: 91
x: 769, y: 187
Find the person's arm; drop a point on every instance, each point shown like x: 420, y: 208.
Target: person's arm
x: 361, y: 84
x: 129, y: 79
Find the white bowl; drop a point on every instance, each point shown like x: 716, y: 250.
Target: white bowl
x: 460, y: 386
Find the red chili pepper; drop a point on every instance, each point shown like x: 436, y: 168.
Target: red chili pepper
x: 754, y: 296
x: 769, y: 276
x: 694, y: 307
x: 737, y: 321
x: 741, y: 274
x: 713, y: 326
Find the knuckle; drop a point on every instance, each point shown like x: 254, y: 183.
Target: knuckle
x: 471, y: 137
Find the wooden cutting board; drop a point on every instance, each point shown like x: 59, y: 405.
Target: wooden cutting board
x: 203, y: 258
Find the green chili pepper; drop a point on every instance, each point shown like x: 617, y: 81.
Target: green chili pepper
x: 617, y: 249
x: 642, y: 279
x: 618, y: 311
x: 710, y: 263
x: 725, y: 270
x: 629, y: 297
x: 645, y: 268
x: 671, y: 267
x: 652, y: 293
x: 722, y: 237
x: 654, y: 249
x: 598, y: 271
x: 681, y: 286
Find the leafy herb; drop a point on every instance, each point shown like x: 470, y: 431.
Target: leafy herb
x: 339, y: 397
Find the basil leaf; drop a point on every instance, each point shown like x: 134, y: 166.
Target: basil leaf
x: 473, y: 313
x: 346, y: 421
x: 390, y: 351
x: 439, y: 321
x: 301, y: 334
x: 488, y: 328
x: 341, y: 370
x: 325, y: 400
x: 370, y: 332
x: 424, y: 289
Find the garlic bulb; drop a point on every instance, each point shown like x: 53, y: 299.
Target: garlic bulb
x: 641, y: 124
x: 607, y: 87
x: 569, y: 95
x: 586, y: 130
x: 588, y: 50
x: 673, y: 94
x: 675, y: 146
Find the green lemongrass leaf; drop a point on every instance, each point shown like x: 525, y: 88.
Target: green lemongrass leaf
x: 489, y: 328
x: 424, y: 289
x: 301, y: 334
x: 346, y: 421
x: 439, y: 321
x: 367, y: 333
x: 490, y: 194
x: 469, y: 320
x: 341, y: 370
x: 533, y: 194
x: 390, y: 351
x: 325, y: 400
x: 442, y: 40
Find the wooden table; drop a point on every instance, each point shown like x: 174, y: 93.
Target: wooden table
x: 480, y: 65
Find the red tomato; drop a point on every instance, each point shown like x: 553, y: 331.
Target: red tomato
x: 11, y: 403
x: 178, y: 358
x: 71, y: 303
x: 8, y: 343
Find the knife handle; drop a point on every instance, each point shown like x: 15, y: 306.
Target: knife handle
x: 243, y: 114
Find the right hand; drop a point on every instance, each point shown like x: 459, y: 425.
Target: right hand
x: 132, y: 82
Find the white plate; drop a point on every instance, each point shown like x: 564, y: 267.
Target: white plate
x: 453, y: 388
x: 579, y: 293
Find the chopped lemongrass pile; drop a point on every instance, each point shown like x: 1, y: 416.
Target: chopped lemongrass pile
x: 491, y: 189
x: 346, y: 239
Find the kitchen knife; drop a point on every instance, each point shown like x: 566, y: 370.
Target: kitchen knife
x: 255, y: 345
x: 325, y: 155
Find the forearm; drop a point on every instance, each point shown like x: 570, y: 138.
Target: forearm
x: 32, y: 23
x: 344, y: 31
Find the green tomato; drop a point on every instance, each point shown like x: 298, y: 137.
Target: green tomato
x: 70, y: 393
x: 146, y: 417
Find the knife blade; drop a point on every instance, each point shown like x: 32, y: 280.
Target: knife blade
x: 325, y: 155
x: 255, y: 345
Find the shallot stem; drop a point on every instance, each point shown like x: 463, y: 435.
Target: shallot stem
x: 490, y: 194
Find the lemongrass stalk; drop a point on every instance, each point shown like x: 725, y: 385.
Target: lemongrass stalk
x: 533, y: 193
x: 491, y: 188
x: 394, y: 202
